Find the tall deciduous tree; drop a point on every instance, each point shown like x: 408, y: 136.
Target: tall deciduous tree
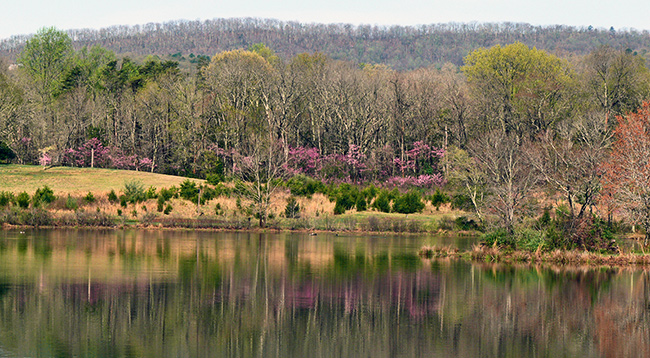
x: 521, y: 89
x: 616, y: 81
x: 11, y: 100
x: 46, y: 59
x: 508, y: 175
x: 464, y: 172
x: 234, y: 81
x: 627, y: 176
x: 570, y: 159
x: 261, y: 171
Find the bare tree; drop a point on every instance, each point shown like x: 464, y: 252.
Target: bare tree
x: 570, y: 158
x: 465, y: 172
x: 261, y: 171
x: 508, y: 175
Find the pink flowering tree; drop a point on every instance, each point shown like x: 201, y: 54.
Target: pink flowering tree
x: 356, y: 161
x: 45, y: 159
x: 93, y: 153
x: 303, y: 160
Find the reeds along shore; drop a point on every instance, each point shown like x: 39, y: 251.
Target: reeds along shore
x: 482, y: 253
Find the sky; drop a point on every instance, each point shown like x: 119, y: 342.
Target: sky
x: 22, y: 17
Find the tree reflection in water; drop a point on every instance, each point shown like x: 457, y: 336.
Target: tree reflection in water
x: 140, y: 293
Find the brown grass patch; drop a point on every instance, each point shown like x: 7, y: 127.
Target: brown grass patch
x: 483, y: 253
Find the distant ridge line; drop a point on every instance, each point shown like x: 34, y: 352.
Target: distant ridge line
x: 401, y: 47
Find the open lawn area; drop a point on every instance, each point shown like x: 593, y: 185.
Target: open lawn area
x: 77, y: 181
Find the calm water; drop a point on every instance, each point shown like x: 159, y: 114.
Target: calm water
x: 176, y: 294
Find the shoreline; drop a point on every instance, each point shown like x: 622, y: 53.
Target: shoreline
x: 564, y: 258
x: 479, y: 254
x: 253, y: 229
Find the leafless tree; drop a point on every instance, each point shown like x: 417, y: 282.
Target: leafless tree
x: 508, y: 175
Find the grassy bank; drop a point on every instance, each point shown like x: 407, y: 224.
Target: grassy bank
x: 81, y: 198
x: 76, y: 181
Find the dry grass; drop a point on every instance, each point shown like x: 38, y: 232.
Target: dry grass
x: 482, y: 253
x: 77, y: 181
x: 438, y: 252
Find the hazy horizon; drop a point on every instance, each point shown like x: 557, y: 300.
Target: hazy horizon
x: 27, y: 16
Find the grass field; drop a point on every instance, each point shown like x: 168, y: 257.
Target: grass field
x: 77, y: 181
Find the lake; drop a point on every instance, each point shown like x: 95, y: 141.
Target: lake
x: 139, y: 293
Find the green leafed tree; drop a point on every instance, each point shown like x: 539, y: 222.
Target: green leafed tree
x: 616, y: 81
x: 46, y: 59
x: 520, y: 89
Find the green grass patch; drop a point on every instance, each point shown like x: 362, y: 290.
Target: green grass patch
x: 77, y: 181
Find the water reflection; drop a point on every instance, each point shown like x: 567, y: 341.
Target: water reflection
x: 151, y: 293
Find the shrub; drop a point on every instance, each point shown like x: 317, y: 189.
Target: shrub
x: 382, y: 203
x: 214, y: 179
x: 161, y: 204
x: 23, y: 200
x: 218, y: 210
x: 123, y: 201
x: 592, y: 234
x: 374, y: 224
x: 500, y: 237
x: 189, y: 190
x: 446, y: 223
x: 134, y: 192
x: 302, y: 185
x: 414, y: 226
x: 292, y: 210
x: 151, y: 193
x: 465, y: 223
x: 461, y: 202
x: 408, y: 203
x: 361, y: 204
x: 97, y: 218
x: 148, y: 218
x: 339, y: 209
x: 37, y: 217
x: 399, y: 225
x: 168, y: 209
x: 529, y: 239
x: 222, y: 190
x: 207, y: 193
x: 166, y: 194
x: 6, y: 198
x: 346, y: 198
x: 370, y: 192
x: 112, y: 197
x: 545, y: 220
x: 71, y: 203
x: 90, y: 198
x: 438, y: 198
x: 43, y: 195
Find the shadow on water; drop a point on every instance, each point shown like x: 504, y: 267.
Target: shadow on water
x: 157, y: 294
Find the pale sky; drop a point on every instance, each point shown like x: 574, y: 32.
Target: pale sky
x: 18, y: 17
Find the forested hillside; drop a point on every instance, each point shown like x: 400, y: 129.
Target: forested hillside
x: 401, y: 48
